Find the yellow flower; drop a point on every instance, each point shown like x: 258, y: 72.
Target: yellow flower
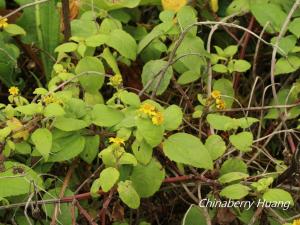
x: 148, y: 109
x: 3, y: 22
x: 216, y: 94
x: 49, y: 99
x: 117, y: 140
x: 17, y: 128
x: 14, y: 91
x: 158, y: 118
x: 116, y: 80
x: 214, y: 5
x: 296, y: 222
x: 173, y: 5
x: 220, y: 104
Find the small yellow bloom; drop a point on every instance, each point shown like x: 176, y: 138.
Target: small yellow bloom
x: 117, y: 140
x: 173, y: 5
x: 116, y: 80
x: 49, y: 99
x: 216, y: 94
x: 158, y: 118
x: 3, y: 22
x: 14, y: 91
x: 214, y: 5
x: 148, y: 109
x: 220, y: 104
x: 296, y: 222
x: 17, y: 128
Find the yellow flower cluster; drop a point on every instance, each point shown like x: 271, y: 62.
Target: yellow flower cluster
x: 173, y: 5
x: 51, y: 99
x: 296, y: 222
x: 117, y: 140
x: 115, y: 80
x: 157, y: 117
x: 14, y: 91
x: 3, y: 22
x: 216, y: 95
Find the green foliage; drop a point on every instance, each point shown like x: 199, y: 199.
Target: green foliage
x: 235, y: 191
x: 18, y: 183
x: 187, y: 149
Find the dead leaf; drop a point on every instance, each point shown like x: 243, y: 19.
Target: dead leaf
x: 225, y: 216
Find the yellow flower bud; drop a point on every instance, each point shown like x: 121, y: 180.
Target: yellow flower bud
x: 3, y: 22
x: 117, y: 140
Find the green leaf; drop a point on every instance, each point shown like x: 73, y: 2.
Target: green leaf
x: 66, y: 47
x: 166, y: 15
x: 127, y: 159
x: 226, y: 88
x: 128, y: 194
x: 151, y: 73
x: 42, y: 25
x: 186, y: 17
x: 123, y: 43
x: 147, y: 179
x: 23, y: 148
x: 106, y: 116
x: 285, y: 97
x: 108, y: 25
x: 233, y: 165
x: 111, y: 61
x: 187, y: 149
x: 294, y: 27
x: 4, y: 132
x: 112, y: 5
x: 14, y: 29
x: 30, y: 110
x: 95, y: 188
x: 242, y: 141
x: 287, y: 65
x: 188, y: 77
x: 286, y: 44
x: 92, y: 73
x: 233, y: 176
x: 235, y: 191
x: 108, y: 178
x: 66, y: 147
x: 64, y: 217
x: 172, y: 117
x: 278, y: 195
x: 220, y: 122
x: 220, y: 68
x: 91, y: 148
x: 230, y: 51
x: 238, y: 66
x: 130, y: 98
x: 189, y: 46
x: 69, y: 124
x: 194, y: 216
x: 14, y: 183
x: 83, y: 28
x: 152, y: 134
x: 269, y: 13
x: 53, y: 110
x: 156, y: 32
x: 96, y: 40
x: 142, y: 151
x: 246, y: 122
x: 215, y: 146
x: 42, y: 139
x: 238, y: 7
